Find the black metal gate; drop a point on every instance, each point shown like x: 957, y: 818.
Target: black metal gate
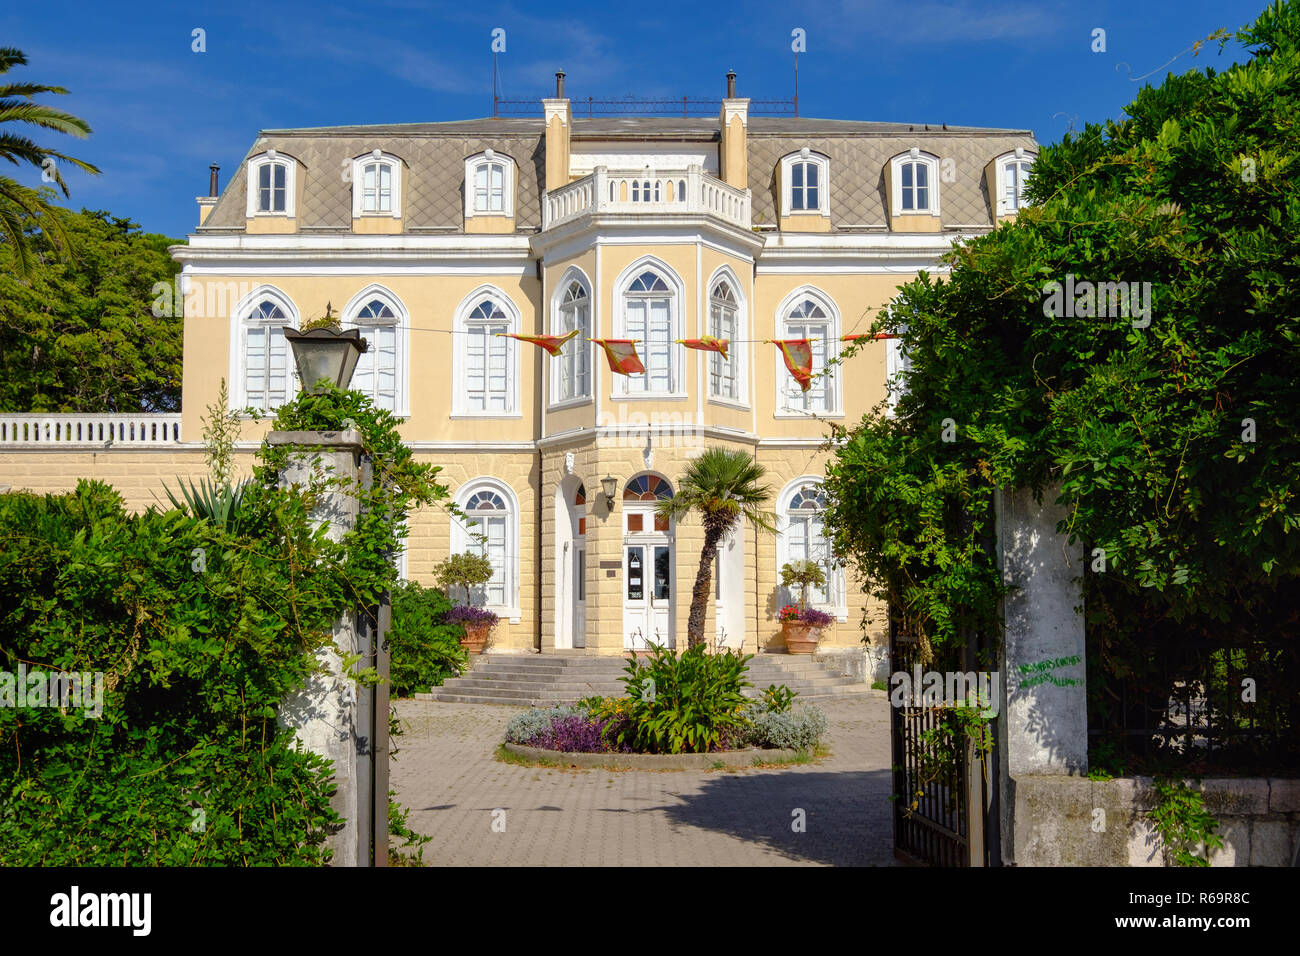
x: 945, y: 794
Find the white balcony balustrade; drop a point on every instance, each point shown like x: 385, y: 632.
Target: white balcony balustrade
x: 71, y: 428
x: 661, y: 193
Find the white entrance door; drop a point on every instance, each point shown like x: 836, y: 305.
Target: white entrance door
x: 580, y: 594
x: 647, y: 594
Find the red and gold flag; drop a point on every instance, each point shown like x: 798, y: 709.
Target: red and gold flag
x: 864, y: 335
x: 798, y: 359
x: 707, y: 343
x: 552, y: 343
x: 622, y: 356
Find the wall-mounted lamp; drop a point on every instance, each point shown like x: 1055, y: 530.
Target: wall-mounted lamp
x: 609, y: 485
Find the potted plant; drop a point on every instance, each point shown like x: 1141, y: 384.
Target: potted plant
x: 801, y: 626
x: 467, y: 572
x: 477, y: 622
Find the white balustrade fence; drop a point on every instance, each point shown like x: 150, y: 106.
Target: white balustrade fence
x: 103, y: 430
x: 612, y: 191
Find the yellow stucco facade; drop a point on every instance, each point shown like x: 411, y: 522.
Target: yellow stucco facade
x: 655, y: 233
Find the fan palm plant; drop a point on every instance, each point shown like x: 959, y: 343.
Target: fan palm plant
x: 722, y: 487
x: 17, y: 200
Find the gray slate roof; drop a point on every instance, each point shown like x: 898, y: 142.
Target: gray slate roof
x: 434, y: 155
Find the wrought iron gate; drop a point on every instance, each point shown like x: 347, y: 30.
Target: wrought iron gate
x: 944, y: 794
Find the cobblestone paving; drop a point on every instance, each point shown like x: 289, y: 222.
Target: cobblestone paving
x: 447, y: 774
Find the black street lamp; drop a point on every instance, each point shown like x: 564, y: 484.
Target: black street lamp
x: 326, y: 352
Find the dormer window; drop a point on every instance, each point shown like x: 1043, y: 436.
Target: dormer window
x: 916, y: 184
x: 489, y: 185
x: 376, y: 185
x: 1013, y: 174
x: 805, y: 184
x: 270, y: 185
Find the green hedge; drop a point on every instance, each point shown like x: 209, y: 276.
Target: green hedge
x: 186, y: 764
x: 425, y: 651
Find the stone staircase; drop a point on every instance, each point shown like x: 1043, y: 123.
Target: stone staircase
x: 545, y: 680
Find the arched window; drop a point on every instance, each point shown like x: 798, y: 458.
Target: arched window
x: 488, y: 369
x: 650, y: 316
x: 377, y: 369
x: 573, y: 365
x: 376, y: 185
x: 270, y: 184
x: 803, y: 538
x: 579, y: 503
x: 804, y: 189
x: 1012, y: 176
x: 915, y: 178
x: 489, y: 185
x: 639, y: 492
x: 268, y: 371
x: 490, y: 529
x: 724, y: 380
x: 808, y: 316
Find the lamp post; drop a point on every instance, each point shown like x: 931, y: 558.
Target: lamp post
x: 325, y: 352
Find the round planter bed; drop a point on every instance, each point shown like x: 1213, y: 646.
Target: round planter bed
x: 728, y: 758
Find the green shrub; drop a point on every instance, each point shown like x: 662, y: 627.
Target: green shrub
x: 424, y: 650
x: 778, y: 698
x: 690, y: 704
x: 798, y: 729
x: 522, y: 728
x: 198, y: 635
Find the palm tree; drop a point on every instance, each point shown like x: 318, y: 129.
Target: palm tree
x: 722, y: 487
x: 16, y: 106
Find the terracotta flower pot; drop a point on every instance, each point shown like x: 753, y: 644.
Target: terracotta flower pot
x: 476, y: 637
x: 800, y: 638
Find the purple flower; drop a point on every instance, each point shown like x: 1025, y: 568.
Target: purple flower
x: 817, y: 618
x: 465, y: 614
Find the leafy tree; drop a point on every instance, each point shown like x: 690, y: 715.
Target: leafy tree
x: 83, y: 337
x: 18, y: 202
x: 723, y: 487
x: 1172, y: 435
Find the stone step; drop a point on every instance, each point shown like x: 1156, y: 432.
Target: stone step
x: 586, y: 689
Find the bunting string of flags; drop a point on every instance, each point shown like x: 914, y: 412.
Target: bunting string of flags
x: 622, y: 356
x: 552, y: 343
x: 623, y: 359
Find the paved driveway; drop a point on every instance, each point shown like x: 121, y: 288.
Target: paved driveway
x: 447, y: 774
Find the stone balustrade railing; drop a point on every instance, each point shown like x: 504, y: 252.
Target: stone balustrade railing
x: 72, y: 428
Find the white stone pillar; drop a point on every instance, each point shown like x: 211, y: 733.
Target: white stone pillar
x: 1045, y: 710
x: 326, y: 713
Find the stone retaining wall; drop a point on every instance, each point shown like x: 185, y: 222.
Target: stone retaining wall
x: 1058, y: 823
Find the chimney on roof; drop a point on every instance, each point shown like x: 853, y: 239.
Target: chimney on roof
x: 733, y: 162
x: 558, y: 117
x: 207, y: 202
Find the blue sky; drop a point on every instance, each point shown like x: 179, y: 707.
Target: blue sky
x: 161, y: 113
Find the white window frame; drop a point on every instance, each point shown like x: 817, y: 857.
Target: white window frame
x: 784, y: 380
x: 460, y: 386
x: 836, y: 579
x: 677, y: 352
x: 823, y: 164
x: 462, y: 540
x: 252, y: 168
x: 239, y: 324
x: 359, y: 165
x: 571, y: 275
x: 402, y: 398
x: 738, y: 353
x: 1001, y: 164
x: 931, y: 162
x: 509, y: 177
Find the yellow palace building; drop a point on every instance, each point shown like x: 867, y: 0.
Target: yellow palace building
x: 433, y: 238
